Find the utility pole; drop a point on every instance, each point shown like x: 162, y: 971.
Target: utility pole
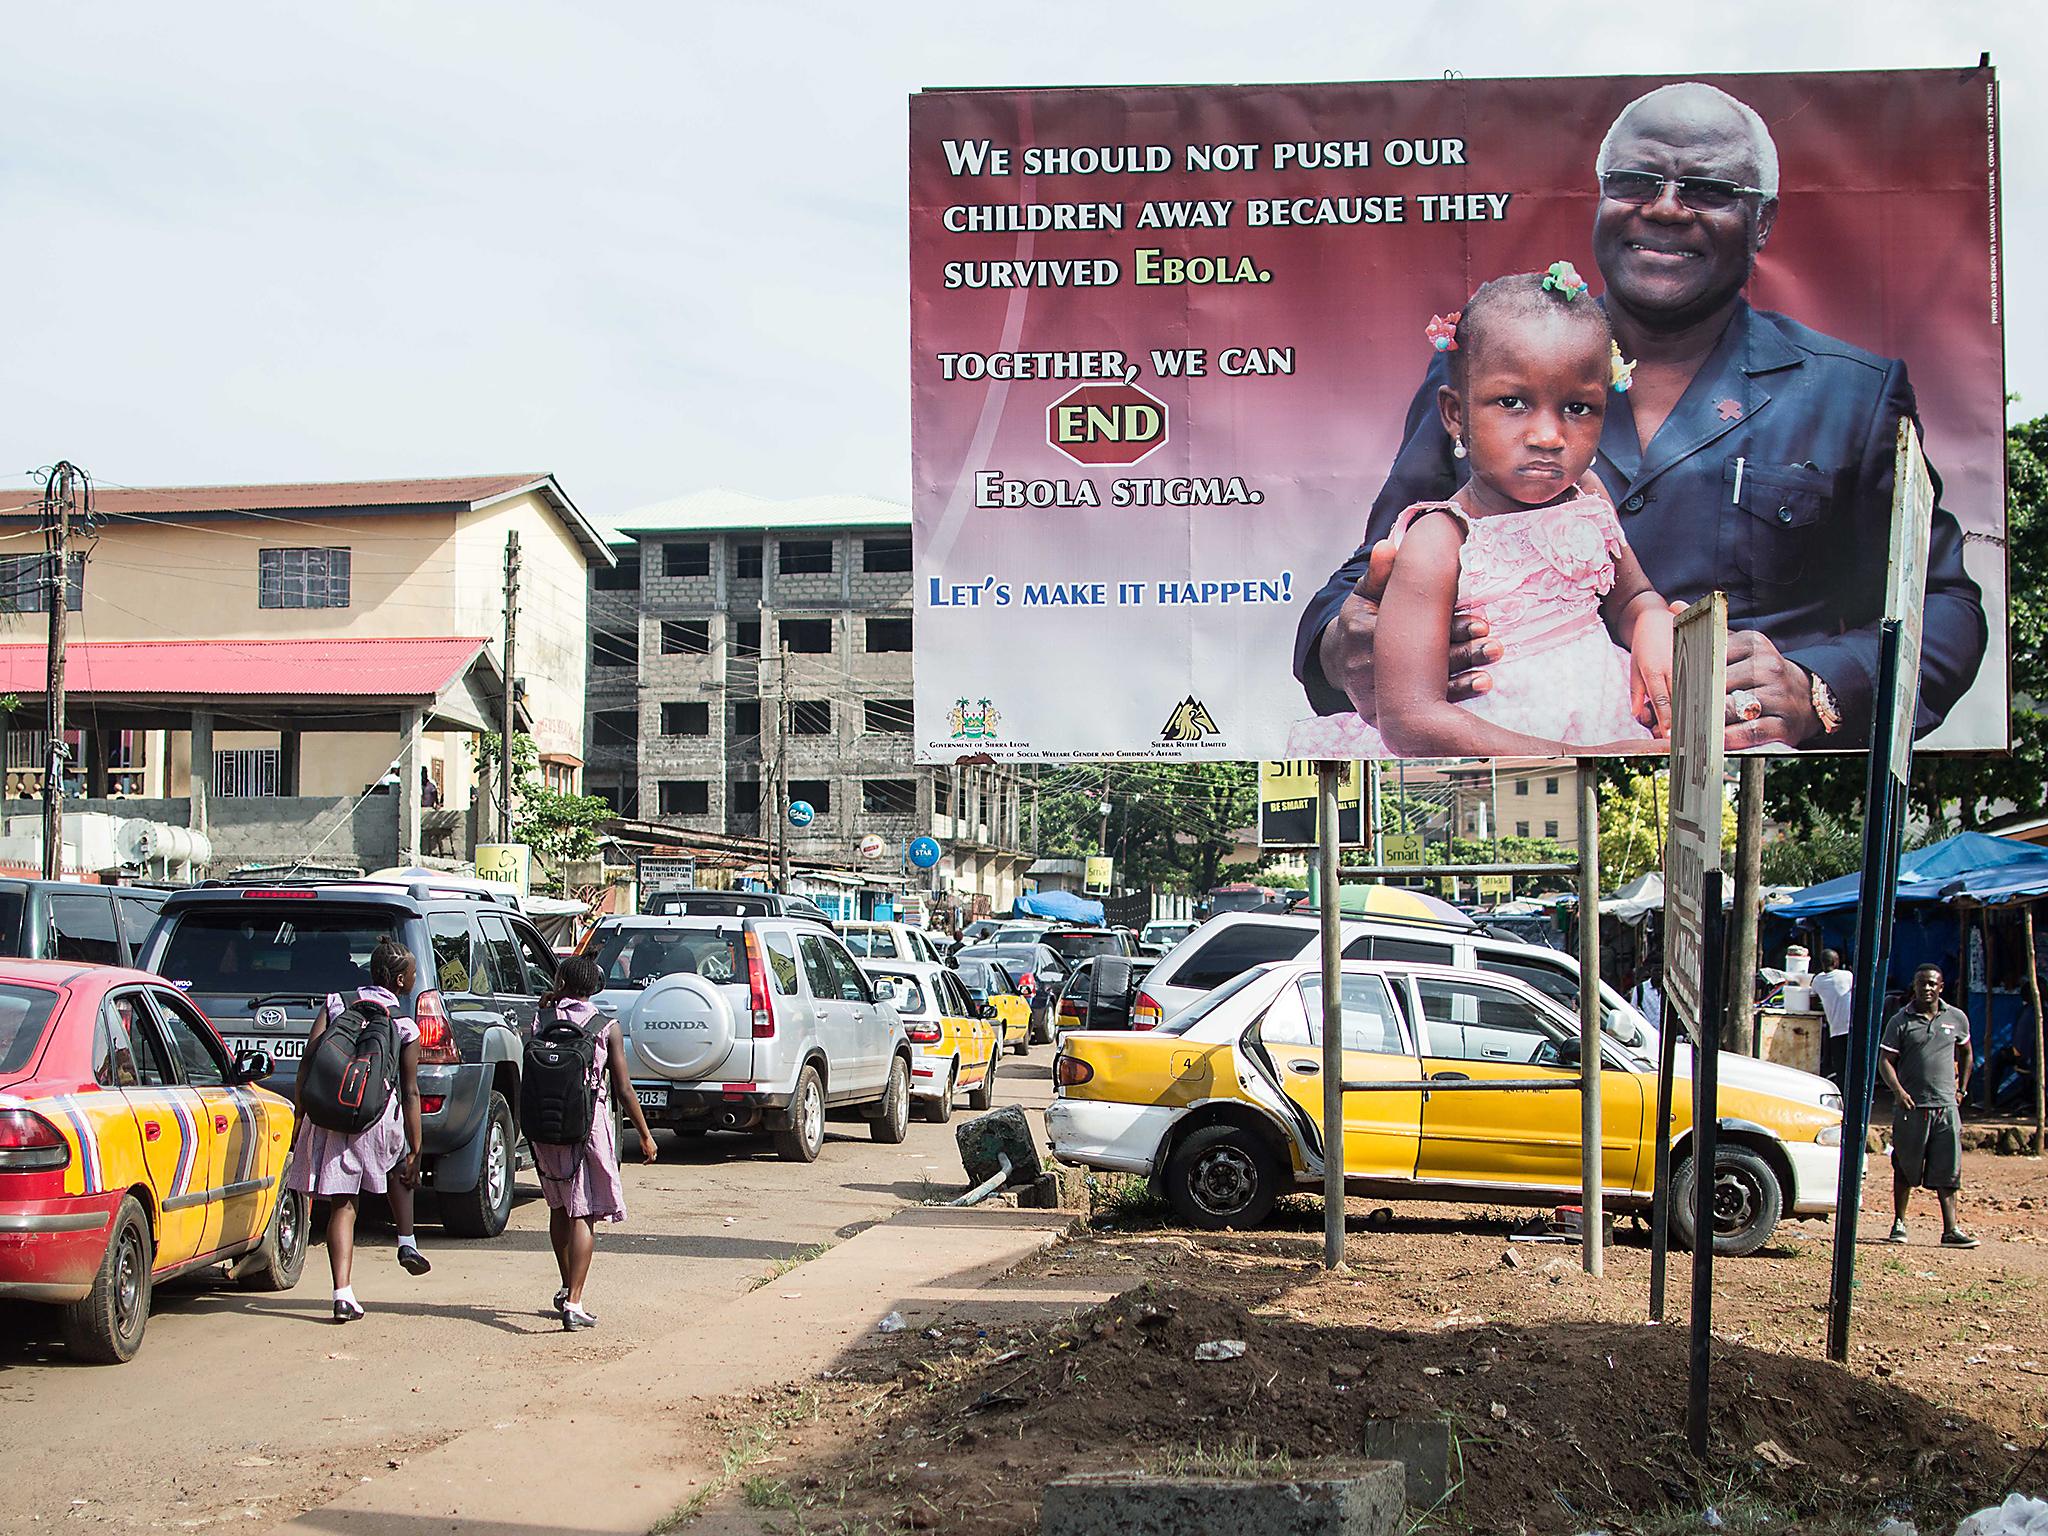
x: 509, y: 726
x: 1102, y: 836
x: 782, y: 765
x: 60, y: 493
x: 1739, y: 1029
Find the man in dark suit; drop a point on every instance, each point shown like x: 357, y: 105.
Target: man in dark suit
x: 1752, y: 454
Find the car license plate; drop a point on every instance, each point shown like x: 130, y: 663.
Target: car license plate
x: 279, y: 1048
x: 652, y: 1098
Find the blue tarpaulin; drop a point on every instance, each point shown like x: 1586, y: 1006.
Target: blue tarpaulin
x: 1060, y: 906
x: 1934, y: 873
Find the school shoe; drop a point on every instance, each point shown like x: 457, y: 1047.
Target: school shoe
x: 561, y: 1300
x: 574, y: 1317
x: 1898, y: 1233
x: 1956, y: 1237
x: 346, y: 1311
x: 412, y: 1260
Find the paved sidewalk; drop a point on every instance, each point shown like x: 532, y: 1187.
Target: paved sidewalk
x: 612, y: 1454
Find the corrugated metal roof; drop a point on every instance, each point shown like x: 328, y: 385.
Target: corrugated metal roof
x: 713, y: 510
x: 297, y: 670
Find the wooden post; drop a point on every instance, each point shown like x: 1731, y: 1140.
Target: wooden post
x: 1592, y: 1204
x: 1330, y: 924
x: 1739, y: 1033
x: 2034, y: 998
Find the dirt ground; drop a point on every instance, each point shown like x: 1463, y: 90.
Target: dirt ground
x: 1566, y: 1410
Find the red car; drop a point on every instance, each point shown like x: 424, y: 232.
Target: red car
x: 133, y: 1148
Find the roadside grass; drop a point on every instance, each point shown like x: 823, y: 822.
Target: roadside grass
x: 1124, y: 1201
x: 1238, y: 1458
x: 746, y: 1447
x: 782, y: 1267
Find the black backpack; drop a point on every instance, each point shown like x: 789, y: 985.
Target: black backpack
x: 352, y: 1070
x: 557, y: 1105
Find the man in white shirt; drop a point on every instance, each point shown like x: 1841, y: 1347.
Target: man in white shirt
x: 1831, y: 985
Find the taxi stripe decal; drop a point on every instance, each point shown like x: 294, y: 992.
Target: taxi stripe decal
x: 88, y: 1143
x: 188, y: 1143
x: 245, y: 1115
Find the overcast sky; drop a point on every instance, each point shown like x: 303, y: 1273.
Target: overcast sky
x: 652, y: 247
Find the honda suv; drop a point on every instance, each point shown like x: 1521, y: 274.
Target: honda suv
x: 749, y: 1023
x: 260, y: 962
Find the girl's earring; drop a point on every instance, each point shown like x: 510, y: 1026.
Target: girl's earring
x: 1458, y: 449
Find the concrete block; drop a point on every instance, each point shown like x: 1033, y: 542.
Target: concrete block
x: 1041, y: 1194
x: 1423, y: 1447
x: 1345, y: 1499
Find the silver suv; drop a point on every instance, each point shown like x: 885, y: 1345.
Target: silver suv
x: 743, y: 1023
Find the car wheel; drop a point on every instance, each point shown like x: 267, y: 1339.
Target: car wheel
x: 1039, y: 1033
x: 1222, y: 1176
x: 278, y: 1260
x: 893, y: 1123
x: 484, y: 1210
x: 939, y: 1110
x: 803, y: 1137
x: 105, y: 1326
x: 983, y: 1093
x: 1748, y: 1201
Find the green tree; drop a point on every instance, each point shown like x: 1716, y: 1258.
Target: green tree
x: 1171, y: 825
x: 558, y: 827
x: 1635, y: 816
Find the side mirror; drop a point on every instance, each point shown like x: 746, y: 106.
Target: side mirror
x: 252, y: 1066
x: 1569, y: 1052
x: 986, y: 1011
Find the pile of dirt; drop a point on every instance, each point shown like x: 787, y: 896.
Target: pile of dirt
x: 1559, y: 1426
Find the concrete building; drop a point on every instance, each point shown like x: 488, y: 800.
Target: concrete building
x: 302, y: 642
x: 733, y: 629
x: 1508, y: 799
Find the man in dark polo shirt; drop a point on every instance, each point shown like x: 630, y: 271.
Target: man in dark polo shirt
x: 1925, y: 1057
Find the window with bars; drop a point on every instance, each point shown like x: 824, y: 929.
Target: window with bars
x: 942, y: 794
x: 810, y: 717
x: 885, y: 554
x: 623, y: 577
x: 686, y: 559
x: 804, y: 557
x: 685, y: 797
x: 746, y: 561
x: 22, y: 579
x: 685, y: 637
x: 1550, y: 829
x: 817, y: 793
x: 887, y: 717
x: 807, y: 637
x: 889, y: 797
x: 615, y: 728
x: 302, y: 578
x: 686, y: 719
x: 244, y: 772
x: 614, y: 648
x: 888, y: 634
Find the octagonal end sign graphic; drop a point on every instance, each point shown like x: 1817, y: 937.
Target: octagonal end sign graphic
x: 1106, y: 424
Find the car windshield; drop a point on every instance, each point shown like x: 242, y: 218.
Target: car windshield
x: 1081, y: 946
x: 1209, y: 1002
x: 23, y: 1013
x: 262, y: 948
x: 708, y: 904
x: 634, y: 957
x: 901, y: 992
x: 870, y: 941
x: 1018, y: 957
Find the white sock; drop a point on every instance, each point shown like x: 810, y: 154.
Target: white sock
x: 345, y: 1293
x: 405, y: 1241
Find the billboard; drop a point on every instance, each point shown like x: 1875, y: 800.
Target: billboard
x: 1215, y: 456
x: 1288, y: 798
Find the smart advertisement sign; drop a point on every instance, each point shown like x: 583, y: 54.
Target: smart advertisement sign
x: 1371, y: 420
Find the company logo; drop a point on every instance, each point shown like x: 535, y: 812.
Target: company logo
x: 1190, y: 721
x: 975, y: 722
x: 675, y: 1024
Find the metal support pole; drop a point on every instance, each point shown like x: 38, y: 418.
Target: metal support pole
x: 1706, y: 1110
x: 1660, y: 1196
x: 1327, y: 776
x: 1742, y: 1030
x: 2034, y: 999
x: 1592, y: 1205
x: 1883, y: 798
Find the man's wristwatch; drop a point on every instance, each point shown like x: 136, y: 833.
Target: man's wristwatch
x: 1825, y: 709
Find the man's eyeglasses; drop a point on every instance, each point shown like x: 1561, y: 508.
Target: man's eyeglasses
x: 1702, y: 194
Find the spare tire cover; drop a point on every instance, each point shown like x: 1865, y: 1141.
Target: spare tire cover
x: 681, y: 1027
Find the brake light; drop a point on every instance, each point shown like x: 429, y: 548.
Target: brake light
x: 1147, y: 1013
x: 760, y: 996
x: 277, y: 895
x: 1071, y: 1071
x: 29, y: 1143
x: 923, y: 1032
x: 430, y: 1103
x: 437, y: 1032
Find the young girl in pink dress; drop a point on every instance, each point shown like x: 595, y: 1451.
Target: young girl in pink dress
x: 581, y: 1183
x: 383, y: 1159
x: 1530, y: 543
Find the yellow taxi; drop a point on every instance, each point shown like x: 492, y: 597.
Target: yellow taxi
x: 954, y: 1045
x: 1221, y: 1106
x: 132, y: 1148
x: 989, y: 981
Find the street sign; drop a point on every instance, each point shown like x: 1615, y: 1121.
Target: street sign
x: 1693, y: 849
x: 1496, y: 887
x: 801, y: 814
x: 1402, y: 847
x: 1287, y: 805
x: 1098, y: 874
x: 924, y: 852
x: 508, y: 864
x: 871, y: 846
x: 1905, y: 593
